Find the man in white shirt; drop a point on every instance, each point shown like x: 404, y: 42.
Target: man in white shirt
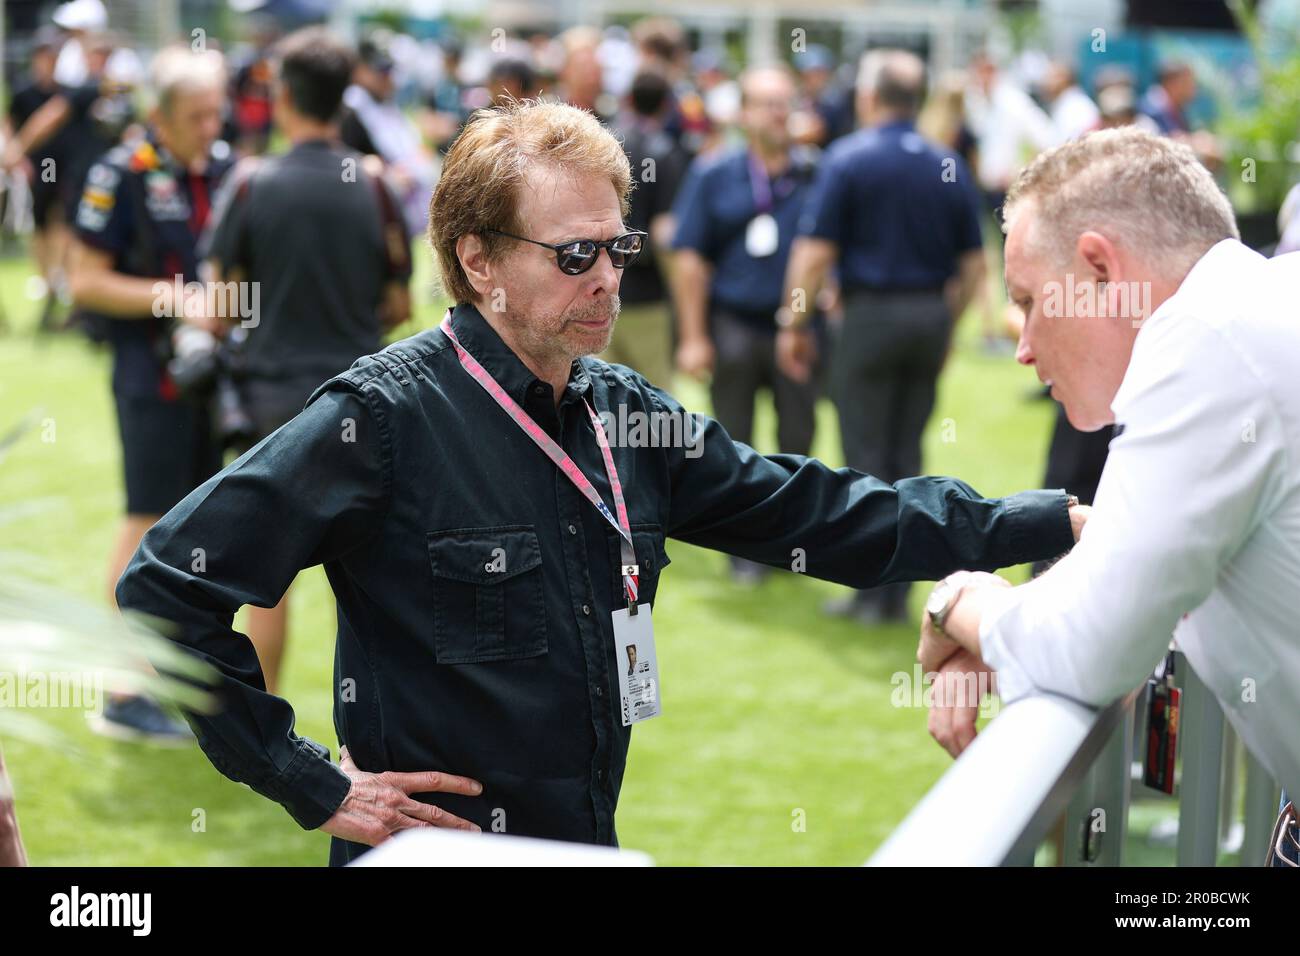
x: 1072, y: 110
x: 1007, y: 123
x: 1143, y: 309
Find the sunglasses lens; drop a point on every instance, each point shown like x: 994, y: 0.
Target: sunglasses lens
x: 577, y: 257
x: 625, y: 250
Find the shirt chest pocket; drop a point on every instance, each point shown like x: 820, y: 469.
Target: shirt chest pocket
x: 488, y: 602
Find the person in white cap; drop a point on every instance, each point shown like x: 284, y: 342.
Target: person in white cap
x: 80, y: 18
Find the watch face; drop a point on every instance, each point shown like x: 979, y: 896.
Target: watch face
x: 938, y: 599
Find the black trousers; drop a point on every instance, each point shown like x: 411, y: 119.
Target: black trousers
x: 1076, y: 459
x: 744, y: 363
x: 1075, y: 462
x: 884, y: 371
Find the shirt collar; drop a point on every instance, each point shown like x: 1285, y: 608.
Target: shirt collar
x: 1225, y: 257
x: 482, y: 341
x: 168, y: 163
x: 897, y: 126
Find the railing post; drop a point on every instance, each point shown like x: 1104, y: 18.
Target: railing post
x: 1262, y: 798
x: 1096, y: 823
x: 1201, y: 733
x: 1228, y: 784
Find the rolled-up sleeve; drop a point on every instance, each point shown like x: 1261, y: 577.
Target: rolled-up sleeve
x: 309, y: 493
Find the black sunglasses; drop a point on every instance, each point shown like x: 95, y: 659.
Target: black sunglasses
x: 578, y: 255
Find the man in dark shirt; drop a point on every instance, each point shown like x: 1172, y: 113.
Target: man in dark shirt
x: 737, y: 216
x: 137, y: 225
x: 899, y: 217
x: 643, y: 338
x: 323, y: 242
x: 1165, y: 103
x: 487, y: 534
x: 83, y: 121
x: 374, y: 124
x: 39, y: 166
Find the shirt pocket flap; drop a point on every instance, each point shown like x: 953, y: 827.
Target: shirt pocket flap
x: 484, y: 556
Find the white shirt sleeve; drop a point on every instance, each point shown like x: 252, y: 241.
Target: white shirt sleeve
x: 1036, y: 127
x: 1185, y: 484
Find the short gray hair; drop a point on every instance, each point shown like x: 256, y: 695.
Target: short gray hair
x: 180, y: 68
x: 1147, y: 191
x: 896, y: 77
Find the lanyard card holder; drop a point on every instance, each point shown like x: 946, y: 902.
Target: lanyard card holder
x: 1164, y: 700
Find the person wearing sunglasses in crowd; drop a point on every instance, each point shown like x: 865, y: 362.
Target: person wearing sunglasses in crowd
x: 491, y: 505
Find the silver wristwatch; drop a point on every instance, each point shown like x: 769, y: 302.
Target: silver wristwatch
x: 941, y: 600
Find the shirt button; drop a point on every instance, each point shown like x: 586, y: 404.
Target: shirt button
x: 572, y: 530
x: 539, y: 389
x: 600, y: 775
x: 586, y: 609
x: 600, y: 692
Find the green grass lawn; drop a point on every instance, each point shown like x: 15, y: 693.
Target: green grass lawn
x: 778, y: 744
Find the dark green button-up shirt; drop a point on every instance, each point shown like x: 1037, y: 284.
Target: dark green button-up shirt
x: 475, y: 584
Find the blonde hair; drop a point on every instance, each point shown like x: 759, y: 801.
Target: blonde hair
x: 480, y: 185
x: 941, y: 117
x: 1128, y: 184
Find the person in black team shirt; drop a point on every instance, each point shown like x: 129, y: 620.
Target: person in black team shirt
x: 484, y: 594
x: 643, y: 338
x: 57, y: 133
x: 324, y: 242
x: 39, y: 166
x: 85, y: 121
x: 137, y: 227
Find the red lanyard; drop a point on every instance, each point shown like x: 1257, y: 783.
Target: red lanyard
x: 561, y: 459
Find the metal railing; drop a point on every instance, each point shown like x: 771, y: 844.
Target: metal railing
x: 1046, y: 760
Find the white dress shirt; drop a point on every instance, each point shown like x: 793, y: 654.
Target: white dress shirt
x: 1196, y: 526
x: 1074, y: 113
x: 1010, y: 128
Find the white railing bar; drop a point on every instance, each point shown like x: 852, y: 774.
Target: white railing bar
x: 1000, y: 798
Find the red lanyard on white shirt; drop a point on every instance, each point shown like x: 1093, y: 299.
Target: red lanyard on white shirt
x: 562, y: 461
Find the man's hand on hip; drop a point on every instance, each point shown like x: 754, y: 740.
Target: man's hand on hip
x: 380, y: 804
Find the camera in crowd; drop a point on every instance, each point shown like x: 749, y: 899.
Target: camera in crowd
x: 206, y: 367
